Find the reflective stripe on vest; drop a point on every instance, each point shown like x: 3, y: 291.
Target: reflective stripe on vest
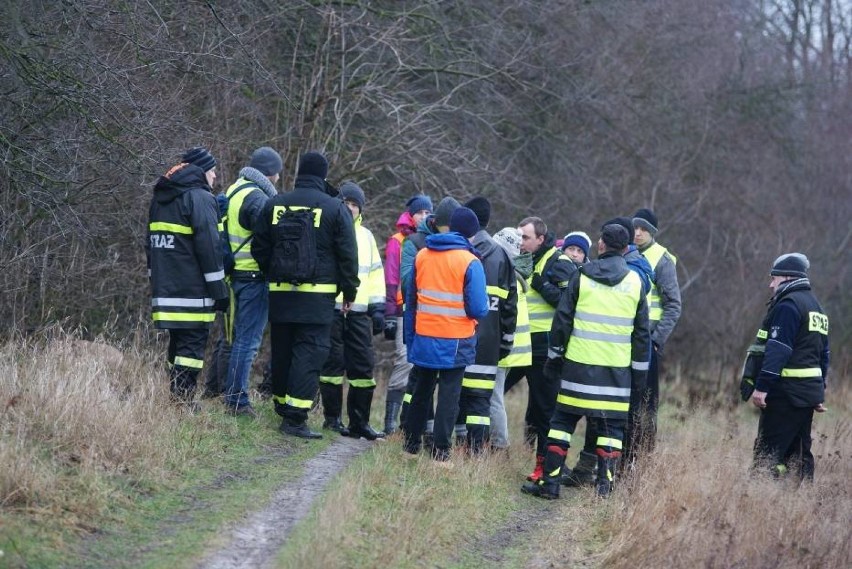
x: 521, y: 354
x: 237, y: 234
x: 540, y: 311
x: 370, y: 272
x: 603, y: 322
x: 440, y: 294
x: 655, y: 307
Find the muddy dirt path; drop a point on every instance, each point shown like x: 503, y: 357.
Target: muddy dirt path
x: 256, y: 540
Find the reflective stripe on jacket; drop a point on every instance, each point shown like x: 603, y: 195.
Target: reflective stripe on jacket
x: 370, y: 271
x: 540, y: 311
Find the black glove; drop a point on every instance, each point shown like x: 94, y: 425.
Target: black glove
x: 505, y: 350
x: 553, y: 368
x: 537, y: 282
x: 746, y: 388
x: 390, y: 328
x: 378, y: 322
x: 222, y: 304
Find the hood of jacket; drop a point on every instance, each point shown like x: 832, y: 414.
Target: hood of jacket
x: 483, y: 243
x: 405, y: 223
x: 610, y: 269
x: 178, y: 180
x: 449, y: 241
x: 256, y: 176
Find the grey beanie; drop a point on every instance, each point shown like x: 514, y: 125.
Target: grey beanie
x: 266, y: 161
x: 791, y: 265
x: 353, y: 192
x: 445, y: 210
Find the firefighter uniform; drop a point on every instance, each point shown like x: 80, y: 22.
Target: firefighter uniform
x: 600, y: 332
x: 352, y: 341
x: 185, y: 266
x: 495, y: 334
x: 301, y: 315
x: 793, y: 372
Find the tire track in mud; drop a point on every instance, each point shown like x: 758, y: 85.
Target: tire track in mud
x: 257, y: 539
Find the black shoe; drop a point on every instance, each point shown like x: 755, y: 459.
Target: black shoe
x: 366, y: 432
x: 336, y: 425
x: 541, y: 490
x: 577, y: 478
x: 298, y: 430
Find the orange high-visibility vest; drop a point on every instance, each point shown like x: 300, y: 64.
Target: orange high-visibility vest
x: 440, y: 294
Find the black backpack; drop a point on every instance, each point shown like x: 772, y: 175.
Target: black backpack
x: 294, y: 247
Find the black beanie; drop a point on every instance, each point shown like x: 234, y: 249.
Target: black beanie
x: 313, y: 164
x: 646, y: 218
x: 266, y: 161
x: 614, y: 236
x: 464, y: 221
x: 353, y: 192
x: 199, y: 156
x: 624, y: 222
x: 482, y: 208
x: 791, y: 265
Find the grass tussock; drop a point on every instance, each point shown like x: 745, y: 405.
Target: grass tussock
x: 74, y: 413
x: 695, y: 503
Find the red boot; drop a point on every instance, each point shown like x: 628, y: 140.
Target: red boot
x: 538, y: 472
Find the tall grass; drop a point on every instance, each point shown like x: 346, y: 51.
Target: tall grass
x: 75, y: 413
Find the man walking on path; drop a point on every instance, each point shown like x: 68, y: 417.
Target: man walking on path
x: 305, y: 243
x: 445, y: 299
x: 598, y: 350
x: 185, y: 265
x: 249, y: 309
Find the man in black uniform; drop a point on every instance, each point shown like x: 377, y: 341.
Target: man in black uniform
x: 185, y: 265
x: 301, y: 308
x: 791, y: 383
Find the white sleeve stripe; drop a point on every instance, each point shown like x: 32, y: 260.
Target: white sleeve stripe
x: 217, y: 276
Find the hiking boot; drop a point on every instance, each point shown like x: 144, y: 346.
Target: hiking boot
x: 365, y: 431
x: 541, y: 489
x: 335, y: 424
x: 300, y: 430
x: 538, y: 472
x: 243, y: 411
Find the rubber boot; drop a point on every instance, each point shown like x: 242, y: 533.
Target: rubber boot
x: 359, y: 402
x: 584, y: 473
x: 606, y: 475
x: 538, y: 471
x: 393, y: 405
x: 547, y: 486
x: 332, y: 399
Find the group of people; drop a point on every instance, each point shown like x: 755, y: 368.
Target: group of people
x: 470, y: 313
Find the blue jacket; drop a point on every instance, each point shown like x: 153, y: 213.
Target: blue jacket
x: 637, y: 263
x: 446, y: 353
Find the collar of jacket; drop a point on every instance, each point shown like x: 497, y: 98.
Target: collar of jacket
x: 548, y: 244
x: 310, y: 183
x: 256, y: 176
x: 786, y: 288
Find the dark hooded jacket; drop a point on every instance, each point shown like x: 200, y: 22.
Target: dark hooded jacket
x: 183, y: 250
x: 336, y: 254
x: 498, y: 327
x: 609, y: 270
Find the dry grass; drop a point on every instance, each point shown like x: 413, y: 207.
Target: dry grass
x: 75, y: 412
x: 695, y: 504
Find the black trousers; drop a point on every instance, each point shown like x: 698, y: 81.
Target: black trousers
x: 541, y: 402
x: 217, y: 368
x: 784, y: 438
x: 185, y: 359
x: 449, y: 382
x: 641, y: 434
x: 299, y: 352
x: 351, y: 355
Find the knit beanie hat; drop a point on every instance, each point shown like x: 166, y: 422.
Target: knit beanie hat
x: 791, y: 265
x: 578, y: 239
x: 482, y: 208
x: 509, y: 238
x: 445, y: 210
x: 353, y: 192
x: 266, y: 161
x: 614, y: 236
x: 626, y: 223
x: 313, y: 164
x: 419, y: 203
x: 199, y: 156
x: 646, y: 218
x: 464, y: 221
